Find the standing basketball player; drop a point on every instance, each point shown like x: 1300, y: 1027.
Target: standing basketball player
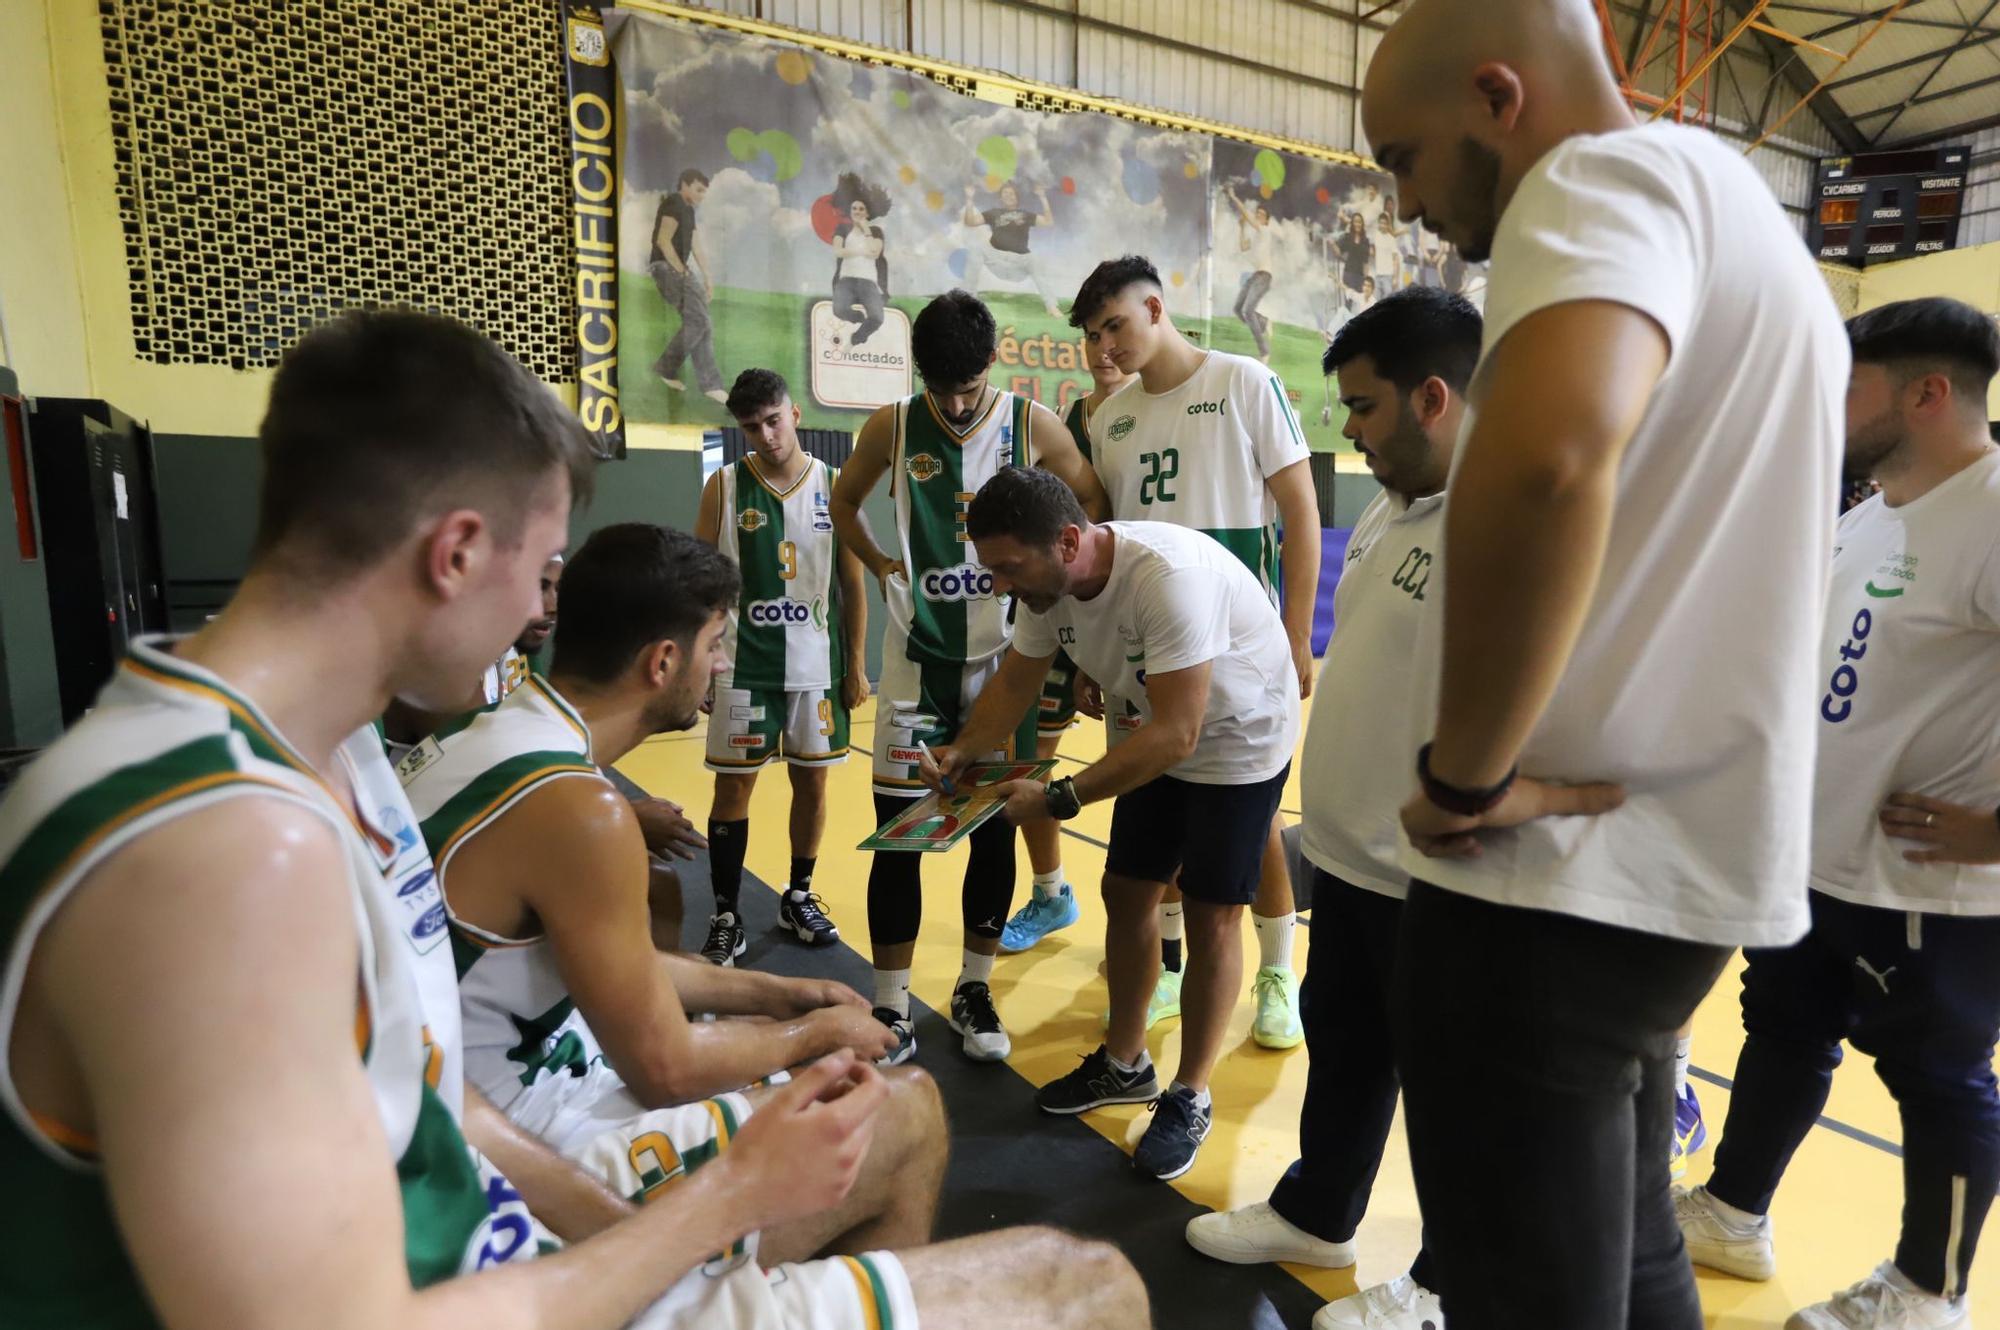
x: 797, y: 648
x: 946, y: 632
x: 1903, y: 960
x: 1052, y: 905
x: 1208, y: 440
x: 1655, y: 338
x: 1188, y: 645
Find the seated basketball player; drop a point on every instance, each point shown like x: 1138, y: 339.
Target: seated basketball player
x: 544, y: 870
x: 235, y: 1131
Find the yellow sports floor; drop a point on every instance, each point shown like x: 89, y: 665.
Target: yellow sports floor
x: 1835, y: 1217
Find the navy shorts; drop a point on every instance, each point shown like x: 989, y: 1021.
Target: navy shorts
x: 1212, y: 835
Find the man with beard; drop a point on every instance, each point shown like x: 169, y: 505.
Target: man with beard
x: 1655, y: 337
x: 545, y: 876
x: 1183, y: 639
x: 947, y: 630
x: 1903, y: 960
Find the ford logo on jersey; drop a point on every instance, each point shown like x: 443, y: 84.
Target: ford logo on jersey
x: 777, y: 613
x: 968, y: 581
x: 417, y: 882
x: 430, y: 925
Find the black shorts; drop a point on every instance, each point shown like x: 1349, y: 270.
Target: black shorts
x: 1212, y: 835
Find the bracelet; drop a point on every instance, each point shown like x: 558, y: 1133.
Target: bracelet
x: 1060, y: 795
x: 1453, y: 799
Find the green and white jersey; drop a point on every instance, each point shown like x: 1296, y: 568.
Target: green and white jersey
x: 167, y: 739
x: 523, y: 1035
x: 785, y: 630
x: 1077, y: 421
x: 1199, y: 455
x: 946, y: 611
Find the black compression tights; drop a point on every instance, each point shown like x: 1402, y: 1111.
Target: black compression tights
x: 896, y: 887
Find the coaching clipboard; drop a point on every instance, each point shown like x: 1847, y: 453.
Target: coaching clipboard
x: 940, y: 821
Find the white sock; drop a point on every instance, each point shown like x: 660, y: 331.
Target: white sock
x: 892, y: 990
x: 1133, y: 1068
x: 1730, y: 1215
x: 1173, y: 924
x: 1274, y: 940
x: 1683, y: 1053
x: 974, y: 969
x: 1201, y: 1100
x: 1049, y: 885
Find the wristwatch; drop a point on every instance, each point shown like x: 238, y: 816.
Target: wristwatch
x: 1062, y: 801
x: 1452, y: 798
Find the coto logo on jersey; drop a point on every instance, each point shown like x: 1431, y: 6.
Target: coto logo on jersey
x: 968, y: 581
x: 751, y: 519
x: 781, y: 613
x: 924, y: 467
x: 1209, y: 408
x: 1122, y: 426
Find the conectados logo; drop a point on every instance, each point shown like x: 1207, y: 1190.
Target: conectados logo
x: 968, y: 581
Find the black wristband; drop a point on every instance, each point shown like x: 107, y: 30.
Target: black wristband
x: 1060, y: 796
x: 1996, y: 817
x: 1453, y: 799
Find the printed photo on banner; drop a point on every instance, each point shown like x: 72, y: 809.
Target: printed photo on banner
x: 785, y: 207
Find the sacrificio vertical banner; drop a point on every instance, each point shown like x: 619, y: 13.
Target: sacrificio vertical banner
x: 593, y: 177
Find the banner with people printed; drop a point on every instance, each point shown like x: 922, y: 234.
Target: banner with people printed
x: 784, y: 207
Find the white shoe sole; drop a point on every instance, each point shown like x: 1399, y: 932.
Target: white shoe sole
x: 1325, y: 1255
x: 978, y: 1054
x: 1169, y: 1177
x: 806, y: 935
x: 1745, y: 1260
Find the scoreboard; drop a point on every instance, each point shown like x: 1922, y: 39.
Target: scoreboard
x: 1880, y: 206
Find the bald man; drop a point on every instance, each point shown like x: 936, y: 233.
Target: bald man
x: 1617, y: 787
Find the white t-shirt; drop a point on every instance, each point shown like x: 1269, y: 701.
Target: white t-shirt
x: 1702, y: 638
x: 1354, y: 769
x: 1198, y: 455
x: 1387, y: 260
x: 1176, y: 599
x: 1909, y: 691
x: 1258, y: 253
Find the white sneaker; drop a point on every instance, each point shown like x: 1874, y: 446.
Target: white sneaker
x: 1257, y: 1233
x: 1723, y: 1244
x: 1400, y: 1304
x: 975, y: 1020
x: 1885, y: 1301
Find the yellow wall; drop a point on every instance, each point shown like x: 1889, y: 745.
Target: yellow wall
x: 1971, y: 275
x: 41, y: 295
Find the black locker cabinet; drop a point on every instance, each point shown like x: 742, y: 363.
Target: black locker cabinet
x: 99, y: 509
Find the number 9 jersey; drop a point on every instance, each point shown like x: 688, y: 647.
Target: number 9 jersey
x: 1198, y: 456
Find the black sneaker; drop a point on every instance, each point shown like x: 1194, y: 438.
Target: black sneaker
x: 1169, y: 1146
x: 973, y: 1016
x: 1095, y: 1084
x: 726, y: 939
x: 806, y: 917
x: 906, y: 1036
